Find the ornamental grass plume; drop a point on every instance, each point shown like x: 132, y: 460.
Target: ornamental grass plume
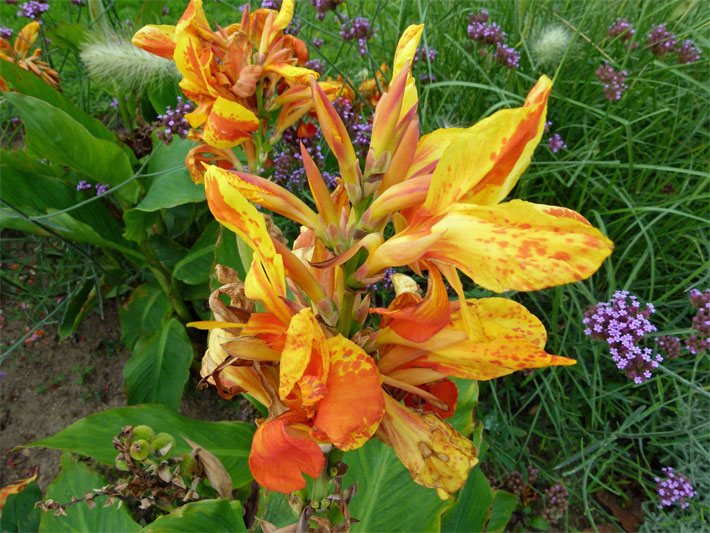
x: 297, y: 335
x: 551, y: 45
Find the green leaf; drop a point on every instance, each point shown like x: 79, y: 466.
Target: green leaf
x: 206, y: 515
x: 160, y: 366
x: 462, y: 420
x: 80, y: 304
x: 540, y: 523
x: 19, y: 513
x: 196, y: 266
x: 227, y: 252
x: 67, y: 35
x: 478, y: 507
x: 172, y: 184
x: 139, y: 224
x: 167, y: 250
x: 74, y: 480
x: 143, y: 314
x: 11, y: 219
x: 275, y: 508
x: 92, y: 436
x: 163, y: 94
x: 387, y: 498
x: 59, y: 138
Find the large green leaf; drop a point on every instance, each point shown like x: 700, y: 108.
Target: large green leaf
x: 143, y: 313
x: 159, y: 367
x: 56, y: 136
x: 19, y: 513
x: 387, y: 498
x: 69, y: 36
x: 172, y: 184
x: 462, y: 420
x: 207, y: 515
x: 227, y: 252
x: 478, y: 507
x: 81, y: 302
x: 92, y: 436
x: 196, y: 266
x: 11, y: 219
x: 74, y: 480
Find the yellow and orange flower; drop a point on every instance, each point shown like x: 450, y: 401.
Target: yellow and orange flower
x: 19, y: 53
x: 441, y: 197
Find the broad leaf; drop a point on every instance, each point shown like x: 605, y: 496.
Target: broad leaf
x: 196, y: 266
x: 19, y: 513
x: 69, y: 36
x: 160, y: 366
x: 92, y: 436
x: 227, y: 252
x: 139, y: 224
x: 207, y: 515
x: 172, y: 184
x: 143, y: 313
x: 80, y: 304
x: 462, y: 420
x: 62, y: 140
x: 387, y: 498
x: 11, y: 219
x: 74, y: 480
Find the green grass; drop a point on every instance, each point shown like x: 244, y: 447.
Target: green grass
x: 636, y: 168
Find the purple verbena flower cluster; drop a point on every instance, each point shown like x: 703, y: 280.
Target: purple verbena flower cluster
x: 359, y: 28
x: 323, y: 6
x: 556, y: 503
x: 80, y: 3
x: 622, y: 323
x: 385, y: 283
x: 173, y: 122
x: 661, y: 41
x: 101, y: 188
x: 359, y: 128
x: 317, y: 42
x: 614, y: 81
x: 622, y: 28
x: 5, y: 33
x: 294, y: 27
x: 83, y: 185
x: 271, y: 4
x: 425, y: 54
x: 555, y: 143
x: 288, y: 162
x: 548, y: 125
x: 490, y: 33
x: 699, y: 340
x: 669, y: 346
x: 688, y: 52
x: 114, y: 103
x: 34, y: 9
x: 674, y: 488
x: 316, y: 65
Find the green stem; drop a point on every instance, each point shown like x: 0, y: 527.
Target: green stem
x: 345, y: 319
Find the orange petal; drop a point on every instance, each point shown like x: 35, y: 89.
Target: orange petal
x: 435, y: 454
x: 16, y: 488
x: 353, y: 408
x: 193, y: 18
x: 304, y: 352
x: 282, y: 453
x: 445, y: 390
x: 26, y: 38
x: 384, y: 123
x: 319, y: 190
x: 158, y: 39
x: 229, y: 124
x: 400, y: 196
x: 403, y: 58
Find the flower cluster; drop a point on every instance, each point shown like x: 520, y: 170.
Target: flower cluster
x: 614, y: 81
x: 316, y: 65
x: 5, y: 33
x: 661, y: 41
x: 426, y: 55
x: 669, y: 346
x: 34, y: 9
x: 688, y: 52
x: 323, y: 6
x: 555, y: 143
x: 359, y: 28
x: 490, y: 33
x: 101, y: 188
x: 556, y: 503
x: 622, y: 29
x: 674, y: 488
x: 622, y: 323
x: 699, y: 340
x: 19, y: 53
x: 173, y: 122
x: 288, y: 161
x: 358, y: 127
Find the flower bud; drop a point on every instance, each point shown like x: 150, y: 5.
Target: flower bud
x: 140, y: 449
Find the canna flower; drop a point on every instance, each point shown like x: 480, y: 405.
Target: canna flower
x: 19, y: 54
x: 433, y: 203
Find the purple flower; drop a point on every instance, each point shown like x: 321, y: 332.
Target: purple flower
x: 83, y: 185
x: 15, y: 121
x: 358, y: 127
x: 101, y: 188
x: 622, y: 28
x: 80, y: 3
x: 271, y: 4
x: 425, y: 54
x: 660, y: 40
x: 688, y: 52
x: 294, y: 27
x: 622, y: 323
x: 699, y: 341
x: 614, y: 81
x: 114, y: 103
x: 385, y: 283
x: 485, y: 33
x: 555, y: 143
x: 315, y: 64
x: 317, y: 42
x: 173, y: 122
x: 359, y: 28
x: 288, y: 162
x: 674, y: 488
x: 548, y: 125
x: 669, y: 346
x: 33, y: 9
x: 5, y: 33
x: 323, y: 6
x: 166, y: 10
x: 427, y: 78
x: 507, y: 56
x: 556, y: 503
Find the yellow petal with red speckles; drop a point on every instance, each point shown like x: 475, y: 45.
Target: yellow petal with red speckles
x: 285, y: 15
x: 193, y: 61
x: 519, y: 245
x: 281, y: 453
x: 229, y: 124
x: 352, y: 409
x: 482, y: 164
x: 158, y: 39
x: 403, y: 58
x: 291, y: 73
x: 264, y: 282
x: 194, y: 19
x: 435, y: 454
x: 26, y: 38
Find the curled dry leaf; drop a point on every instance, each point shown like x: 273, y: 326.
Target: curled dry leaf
x: 216, y: 473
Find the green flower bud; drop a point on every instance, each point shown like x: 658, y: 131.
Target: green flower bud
x: 140, y: 449
x: 163, y: 444
x: 143, y: 432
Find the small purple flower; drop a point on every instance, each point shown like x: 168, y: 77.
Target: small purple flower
x: 15, y: 121
x: 173, y: 122
x: 359, y: 128
x: 271, y: 4
x: 427, y: 78
x: 688, y: 52
x: 548, y: 125
x: 166, y: 10
x: 425, y: 54
x: 385, y: 283
x: 294, y: 27
x: 699, y: 341
x: 614, y: 81
x: 101, y: 188
x: 556, y: 503
x: 323, y: 6
x: 555, y: 143
x: 660, y: 40
x: 507, y: 56
x: 317, y: 42
x: 622, y: 323
x: 674, y: 488
x: 669, y: 346
x: 80, y: 3
x: 33, y: 9
x: 622, y: 28
x: 5, y: 33
x: 114, y: 103
x: 359, y: 28
x: 83, y: 185
x: 315, y: 64
x: 485, y: 33
x: 288, y: 162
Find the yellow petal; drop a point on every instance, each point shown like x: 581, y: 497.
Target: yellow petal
x: 158, y: 39
x: 285, y: 15
x: 194, y: 19
x: 26, y: 38
x: 229, y: 124
x: 291, y: 73
x: 403, y: 58
x: 193, y: 61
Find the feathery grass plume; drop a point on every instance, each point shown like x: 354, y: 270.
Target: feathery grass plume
x: 114, y: 63
x: 550, y: 45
